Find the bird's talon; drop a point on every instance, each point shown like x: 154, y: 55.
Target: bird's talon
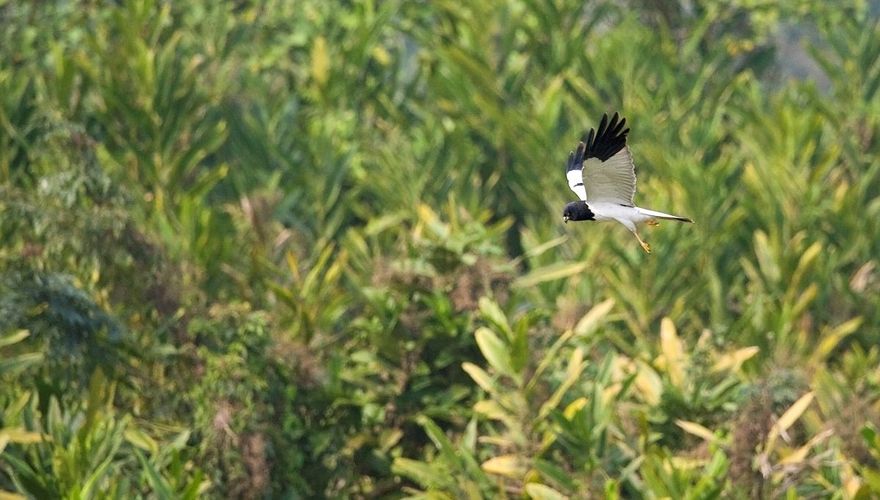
x: 646, y: 247
x: 652, y: 222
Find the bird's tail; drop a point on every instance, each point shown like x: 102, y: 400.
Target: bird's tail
x: 661, y: 215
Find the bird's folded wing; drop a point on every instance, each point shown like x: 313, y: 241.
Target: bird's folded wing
x: 612, y: 180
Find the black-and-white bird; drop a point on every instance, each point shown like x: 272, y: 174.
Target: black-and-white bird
x: 602, y: 174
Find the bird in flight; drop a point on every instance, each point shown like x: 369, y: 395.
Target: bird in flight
x: 601, y: 172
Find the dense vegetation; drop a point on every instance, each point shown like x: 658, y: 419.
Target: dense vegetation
x: 314, y: 249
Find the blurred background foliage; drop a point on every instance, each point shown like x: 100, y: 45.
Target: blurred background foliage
x: 313, y: 249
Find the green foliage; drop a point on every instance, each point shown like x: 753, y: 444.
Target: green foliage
x: 312, y: 249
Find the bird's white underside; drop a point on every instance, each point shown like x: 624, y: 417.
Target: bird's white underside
x: 628, y: 216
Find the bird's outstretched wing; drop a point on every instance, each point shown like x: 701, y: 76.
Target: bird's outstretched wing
x: 601, y: 169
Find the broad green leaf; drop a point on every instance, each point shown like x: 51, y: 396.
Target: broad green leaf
x: 492, y: 313
x: 495, y: 352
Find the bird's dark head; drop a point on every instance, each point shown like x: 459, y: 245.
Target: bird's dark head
x: 577, y: 210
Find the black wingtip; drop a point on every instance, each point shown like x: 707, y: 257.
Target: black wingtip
x: 602, y: 125
x: 609, y: 139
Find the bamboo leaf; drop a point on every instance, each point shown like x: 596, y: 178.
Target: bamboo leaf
x: 697, y: 430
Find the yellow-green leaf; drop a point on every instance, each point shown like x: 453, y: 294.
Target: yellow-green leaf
x: 491, y: 409
x: 550, y: 273
x: 832, y: 339
x: 490, y: 310
x: 696, y: 429
x: 574, y: 407
x: 140, y: 439
x: 673, y: 352
x: 495, y: 351
x: 479, y: 376
x: 788, y: 418
x: 733, y: 361
x: 14, y: 338
x: 512, y: 466
x: 19, y: 435
x: 765, y: 257
x: 320, y: 61
x: 798, y: 455
x: 543, y: 492
x: 648, y: 383
x: 8, y: 495
x: 593, y: 318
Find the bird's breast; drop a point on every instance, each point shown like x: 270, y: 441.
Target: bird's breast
x: 612, y: 211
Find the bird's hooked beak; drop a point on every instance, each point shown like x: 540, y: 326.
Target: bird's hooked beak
x: 565, y: 219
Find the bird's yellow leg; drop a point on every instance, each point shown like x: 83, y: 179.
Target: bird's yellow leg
x: 646, y: 247
x: 652, y: 222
